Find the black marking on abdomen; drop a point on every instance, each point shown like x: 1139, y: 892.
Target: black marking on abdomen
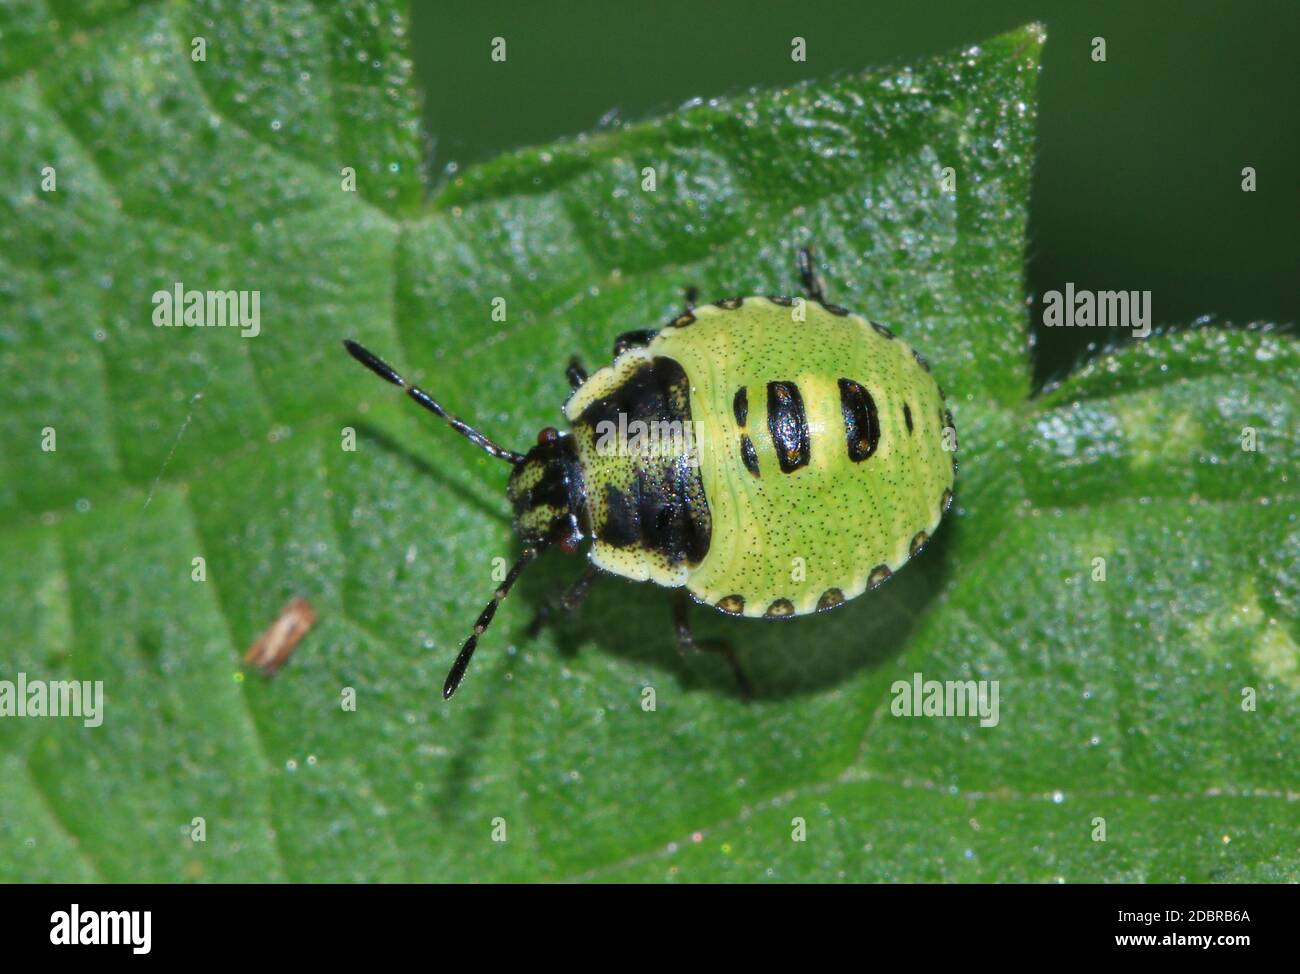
x: 830, y: 599
x: 907, y: 417
x: 733, y: 605
x: 748, y: 455
x: 861, y: 421
x: 780, y: 609
x: 918, y: 542
x: 788, y: 424
x: 740, y: 406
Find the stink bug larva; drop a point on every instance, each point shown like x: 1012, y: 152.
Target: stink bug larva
x: 815, y: 435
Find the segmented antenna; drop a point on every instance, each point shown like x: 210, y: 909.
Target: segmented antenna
x: 457, y: 671
x: 386, y: 372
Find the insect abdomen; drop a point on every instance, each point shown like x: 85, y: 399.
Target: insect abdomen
x: 839, y: 472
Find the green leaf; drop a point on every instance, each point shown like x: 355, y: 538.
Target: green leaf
x: 1119, y: 699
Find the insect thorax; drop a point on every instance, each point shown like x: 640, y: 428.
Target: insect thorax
x: 633, y: 430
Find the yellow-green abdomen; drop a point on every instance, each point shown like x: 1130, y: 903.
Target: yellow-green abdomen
x: 822, y: 449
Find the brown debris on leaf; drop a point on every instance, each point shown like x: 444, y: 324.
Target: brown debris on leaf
x: 272, y: 648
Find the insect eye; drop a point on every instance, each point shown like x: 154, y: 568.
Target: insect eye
x: 548, y: 435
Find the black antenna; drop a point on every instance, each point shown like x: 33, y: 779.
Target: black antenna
x: 386, y: 372
x: 457, y: 671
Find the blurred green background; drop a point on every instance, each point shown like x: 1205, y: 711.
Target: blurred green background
x: 1138, y: 180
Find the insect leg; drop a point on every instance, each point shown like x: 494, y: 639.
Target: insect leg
x: 576, y: 372
x: 812, y: 285
x: 568, y: 602
x: 686, y: 641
